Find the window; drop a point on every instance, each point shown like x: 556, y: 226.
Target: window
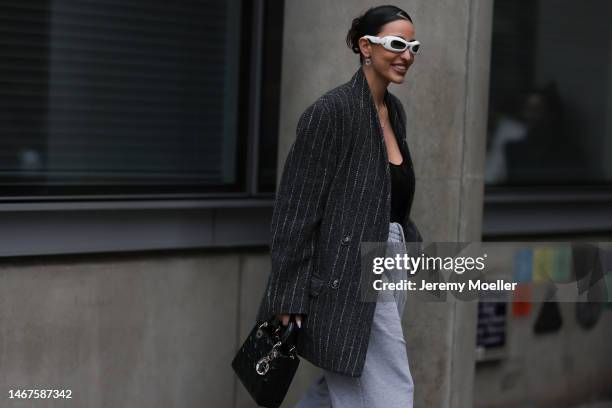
x: 129, y: 125
x: 551, y: 94
x: 549, y: 148
x: 130, y: 98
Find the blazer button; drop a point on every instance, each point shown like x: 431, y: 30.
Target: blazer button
x: 346, y: 239
x: 335, y: 283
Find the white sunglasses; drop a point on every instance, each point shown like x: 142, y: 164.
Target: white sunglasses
x: 395, y: 44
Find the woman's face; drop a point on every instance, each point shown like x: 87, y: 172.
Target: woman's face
x: 390, y: 65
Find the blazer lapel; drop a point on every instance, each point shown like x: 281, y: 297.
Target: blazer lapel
x: 363, y: 94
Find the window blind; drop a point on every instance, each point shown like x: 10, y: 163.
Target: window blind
x: 102, y: 93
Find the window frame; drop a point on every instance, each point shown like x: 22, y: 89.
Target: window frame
x: 546, y: 211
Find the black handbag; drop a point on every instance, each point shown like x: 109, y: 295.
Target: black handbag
x: 267, y: 361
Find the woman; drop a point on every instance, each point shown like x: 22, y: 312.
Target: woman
x: 348, y: 179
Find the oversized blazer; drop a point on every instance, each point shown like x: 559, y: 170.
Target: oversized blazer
x: 334, y: 193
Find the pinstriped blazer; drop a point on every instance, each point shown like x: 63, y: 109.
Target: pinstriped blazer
x: 335, y: 192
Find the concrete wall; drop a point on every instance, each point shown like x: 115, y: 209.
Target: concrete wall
x: 139, y: 330
x: 560, y: 369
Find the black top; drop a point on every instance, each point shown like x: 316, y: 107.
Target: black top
x: 402, y: 190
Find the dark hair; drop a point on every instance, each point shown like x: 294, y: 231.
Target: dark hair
x: 371, y: 22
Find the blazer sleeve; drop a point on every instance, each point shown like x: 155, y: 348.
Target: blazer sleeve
x: 298, y: 209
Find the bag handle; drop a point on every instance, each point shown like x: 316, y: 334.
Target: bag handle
x: 287, y: 332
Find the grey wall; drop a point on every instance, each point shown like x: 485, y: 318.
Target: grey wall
x: 558, y: 369
x: 142, y: 330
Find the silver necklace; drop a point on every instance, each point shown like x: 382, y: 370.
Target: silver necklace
x: 382, y: 125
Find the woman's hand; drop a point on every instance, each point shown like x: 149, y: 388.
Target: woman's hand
x: 284, y: 318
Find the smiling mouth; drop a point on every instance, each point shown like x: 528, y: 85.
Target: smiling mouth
x: 401, y: 68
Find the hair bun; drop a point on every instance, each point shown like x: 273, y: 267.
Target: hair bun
x: 352, y: 38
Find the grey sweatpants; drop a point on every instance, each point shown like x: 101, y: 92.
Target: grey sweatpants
x: 386, y: 380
